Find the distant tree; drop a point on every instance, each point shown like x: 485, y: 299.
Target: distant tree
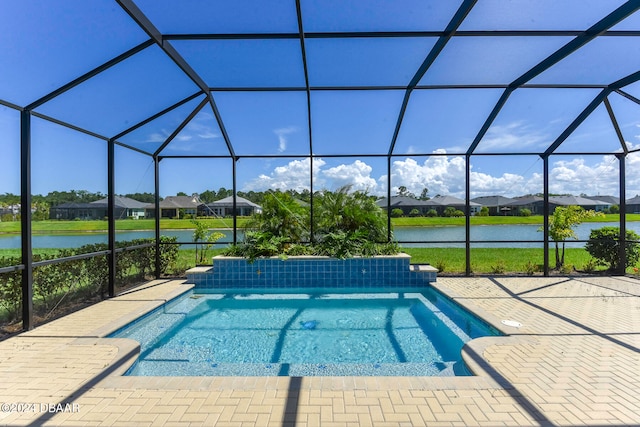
x: 141, y: 197
x: 223, y: 192
x: 424, y: 194
x: 207, y: 196
x: 55, y: 198
x: 181, y: 193
x: 305, y: 195
x: 9, y: 199
x: 614, y: 209
x: 484, y: 211
x: 403, y: 192
x: 40, y: 211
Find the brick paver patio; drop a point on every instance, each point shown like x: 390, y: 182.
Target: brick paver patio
x: 574, y: 361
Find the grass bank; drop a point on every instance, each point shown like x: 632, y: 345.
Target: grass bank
x: 493, y: 220
x: 50, y: 227
x: 447, y: 260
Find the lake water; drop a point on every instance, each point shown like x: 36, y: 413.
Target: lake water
x: 438, y: 236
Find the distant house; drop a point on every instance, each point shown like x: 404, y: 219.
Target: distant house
x: 12, y: 210
x: 405, y: 204
x: 224, y: 207
x: 534, y: 204
x: 589, y: 204
x: 173, y: 207
x: 438, y: 203
x: 608, y: 199
x: 441, y: 203
x: 124, y: 208
x: 497, y: 205
x: 633, y: 205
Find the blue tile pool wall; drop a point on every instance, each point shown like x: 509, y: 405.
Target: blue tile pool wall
x: 273, y: 273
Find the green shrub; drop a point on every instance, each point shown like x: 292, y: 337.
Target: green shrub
x: 449, y: 212
x: 432, y: 213
x: 604, y: 244
x: 57, y: 284
x: 484, y: 211
x: 396, y: 213
x: 414, y: 212
x: 590, y: 266
x: 525, y: 212
x: 567, y: 269
x: 499, y: 268
x: 531, y: 268
x: 11, y: 289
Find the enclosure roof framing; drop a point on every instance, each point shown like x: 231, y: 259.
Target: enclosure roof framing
x: 320, y: 38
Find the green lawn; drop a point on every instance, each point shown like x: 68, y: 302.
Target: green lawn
x: 494, y: 260
x: 448, y: 260
x: 47, y: 227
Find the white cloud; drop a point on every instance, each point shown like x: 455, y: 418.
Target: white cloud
x: 440, y: 174
x: 282, y: 134
x: 512, y: 136
x: 576, y: 177
x: 445, y: 175
x: 294, y: 175
x: 357, y: 174
x: 209, y: 135
x: 158, y: 136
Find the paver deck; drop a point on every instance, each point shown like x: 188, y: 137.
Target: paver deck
x: 574, y: 361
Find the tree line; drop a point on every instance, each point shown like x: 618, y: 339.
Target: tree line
x: 40, y: 204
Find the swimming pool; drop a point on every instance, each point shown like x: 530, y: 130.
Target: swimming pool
x: 381, y: 334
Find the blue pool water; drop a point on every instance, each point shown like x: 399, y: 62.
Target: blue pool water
x: 416, y: 334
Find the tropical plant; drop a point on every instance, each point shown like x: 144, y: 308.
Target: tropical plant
x: 342, y: 211
x: 204, y: 239
x: 604, y: 246
x: 345, y: 224
x: 281, y: 216
x: 561, y: 226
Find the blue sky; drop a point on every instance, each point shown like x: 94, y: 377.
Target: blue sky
x: 46, y: 44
